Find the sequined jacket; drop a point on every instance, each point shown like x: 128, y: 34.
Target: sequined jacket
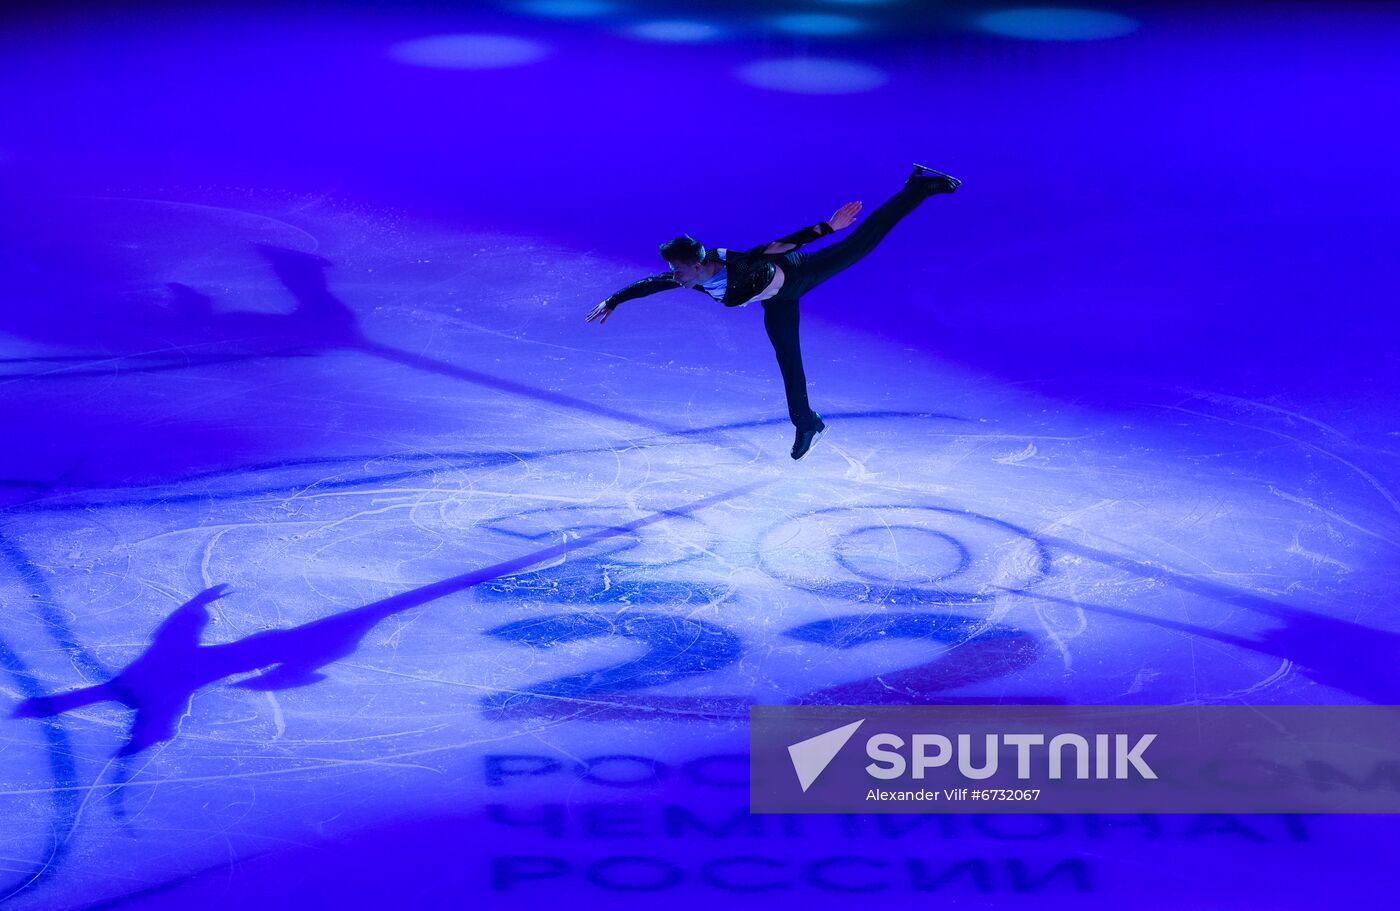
x: 748, y: 272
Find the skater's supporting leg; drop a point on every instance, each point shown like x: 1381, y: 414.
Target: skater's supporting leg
x: 780, y: 318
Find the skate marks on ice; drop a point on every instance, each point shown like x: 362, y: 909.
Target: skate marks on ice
x: 366, y: 471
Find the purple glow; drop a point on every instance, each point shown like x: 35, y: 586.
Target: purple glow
x: 568, y: 9
x: 680, y: 31
x: 817, y: 24
x: 813, y: 76
x: 1057, y: 24
x: 469, y: 52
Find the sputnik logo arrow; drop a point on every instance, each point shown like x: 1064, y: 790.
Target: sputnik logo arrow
x: 810, y: 757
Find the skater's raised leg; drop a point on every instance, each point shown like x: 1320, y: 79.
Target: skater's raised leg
x: 826, y: 262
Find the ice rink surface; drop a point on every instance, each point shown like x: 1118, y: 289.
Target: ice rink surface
x: 349, y: 567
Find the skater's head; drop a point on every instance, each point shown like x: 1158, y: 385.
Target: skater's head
x: 686, y: 256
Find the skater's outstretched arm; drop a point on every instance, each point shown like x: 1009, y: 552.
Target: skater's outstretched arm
x: 649, y: 285
x: 843, y: 218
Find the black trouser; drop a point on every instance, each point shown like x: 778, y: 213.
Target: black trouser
x: 803, y: 272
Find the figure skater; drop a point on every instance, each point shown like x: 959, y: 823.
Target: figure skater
x: 776, y: 275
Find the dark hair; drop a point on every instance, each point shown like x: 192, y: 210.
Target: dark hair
x: 684, y: 249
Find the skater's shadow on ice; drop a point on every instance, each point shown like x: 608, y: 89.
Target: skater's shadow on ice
x: 1356, y: 659
x: 158, y: 685
x: 187, y: 329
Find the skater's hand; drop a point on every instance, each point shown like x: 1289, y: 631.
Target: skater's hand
x: 603, y: 310
x: 844, y: 217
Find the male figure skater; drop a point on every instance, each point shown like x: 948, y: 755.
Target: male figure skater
x: 777, y: 276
